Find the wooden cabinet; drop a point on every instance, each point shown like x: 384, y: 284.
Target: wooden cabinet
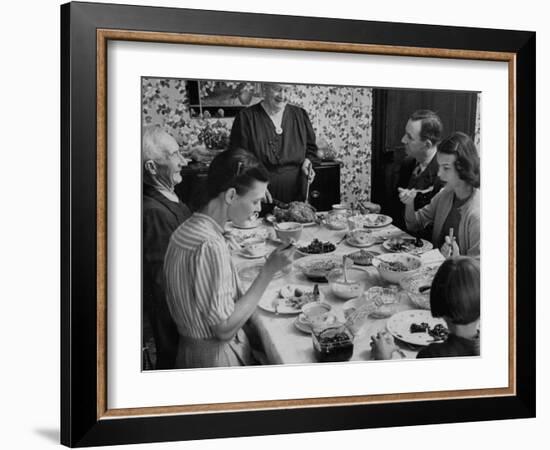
x: 324, y: 191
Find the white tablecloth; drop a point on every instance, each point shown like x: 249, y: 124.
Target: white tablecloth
x: 283, y: 342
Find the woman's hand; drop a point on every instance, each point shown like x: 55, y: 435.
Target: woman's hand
x: 306, y: 165
x: 382, y: 345
x: 450, y: 248
x: 407, y: 196
x: 279, y: 258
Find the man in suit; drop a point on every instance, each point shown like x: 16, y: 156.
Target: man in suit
x: 162, y: 214
x: 423, y: 132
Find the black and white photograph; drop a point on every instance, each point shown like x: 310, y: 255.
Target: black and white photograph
x: 287, y: 223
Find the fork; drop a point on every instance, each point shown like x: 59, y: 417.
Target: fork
x: 424, y: 191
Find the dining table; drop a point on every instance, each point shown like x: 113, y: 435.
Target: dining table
x: 283, y: 342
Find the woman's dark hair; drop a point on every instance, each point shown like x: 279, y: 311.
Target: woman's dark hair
x: 467, y: 158
x: 431, y: 126
x: 455, y: 290
x: 236, y: 168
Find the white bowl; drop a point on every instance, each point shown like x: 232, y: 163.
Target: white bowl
x: 389, y: 266
x: 287, y: 231
x: 356, y: 282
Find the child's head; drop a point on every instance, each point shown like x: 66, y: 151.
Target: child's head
x: 455, y: 290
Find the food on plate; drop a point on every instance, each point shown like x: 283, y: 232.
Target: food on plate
x: 375, y: 220
x: 439, y: 332
x: 419, y: 327
x: 333, y: 344
x: 316, y: 247
x: 317, y: 267
x: 362, y: 257
x: 296, y: 212
x: 400, y: 244
x: 296, y: 298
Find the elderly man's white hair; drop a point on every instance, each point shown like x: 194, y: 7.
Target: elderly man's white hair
x: 154, y: 143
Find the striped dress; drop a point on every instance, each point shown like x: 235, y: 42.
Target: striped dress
x: 201, y: 290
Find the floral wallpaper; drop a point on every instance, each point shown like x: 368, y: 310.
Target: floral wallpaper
x: 341, y: 118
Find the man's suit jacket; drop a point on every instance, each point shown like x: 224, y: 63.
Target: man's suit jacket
x: 424, y: 180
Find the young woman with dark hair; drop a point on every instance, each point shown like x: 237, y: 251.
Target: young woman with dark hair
x: 202, y: 287
x: 454, y: 211
x: 454, y: 296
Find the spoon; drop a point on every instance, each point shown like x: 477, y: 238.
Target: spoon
x: 344, y: 267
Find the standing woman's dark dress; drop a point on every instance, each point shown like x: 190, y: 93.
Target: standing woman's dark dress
x: 282, y: 154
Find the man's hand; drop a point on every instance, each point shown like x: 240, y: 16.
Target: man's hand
x: 306, y: 166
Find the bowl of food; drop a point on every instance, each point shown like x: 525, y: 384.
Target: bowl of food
x: 418, y: 286
x: 315, y: 316
x: 385, y: 301
x: 395, y: 266
x: 351, y: 286
x: 316, y: 247
x: 288, y: 231
x: 333, y: 344
x: 336, y: 220
x: 361, y: 238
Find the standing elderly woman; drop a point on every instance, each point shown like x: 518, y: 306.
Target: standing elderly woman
x: 202, y: 286
x: 454, y: 211
x: 280, y: 135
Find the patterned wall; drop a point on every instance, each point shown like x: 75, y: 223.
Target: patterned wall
x: 341, y: 117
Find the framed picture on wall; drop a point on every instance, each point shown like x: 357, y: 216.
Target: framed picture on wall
x: 124, y: 69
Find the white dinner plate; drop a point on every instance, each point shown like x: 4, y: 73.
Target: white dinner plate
x: 409, y: 246
x: 399, y: 325
x: 370, y: 220
x: 274, y: 303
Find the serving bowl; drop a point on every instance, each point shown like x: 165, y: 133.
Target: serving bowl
x: 355, y: 285
x: 288, y: 231
x: 333, y: 344
x: 417, y: 286
x: 395, y: 266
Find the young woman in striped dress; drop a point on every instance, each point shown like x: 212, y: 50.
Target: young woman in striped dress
x: 203, y: 291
